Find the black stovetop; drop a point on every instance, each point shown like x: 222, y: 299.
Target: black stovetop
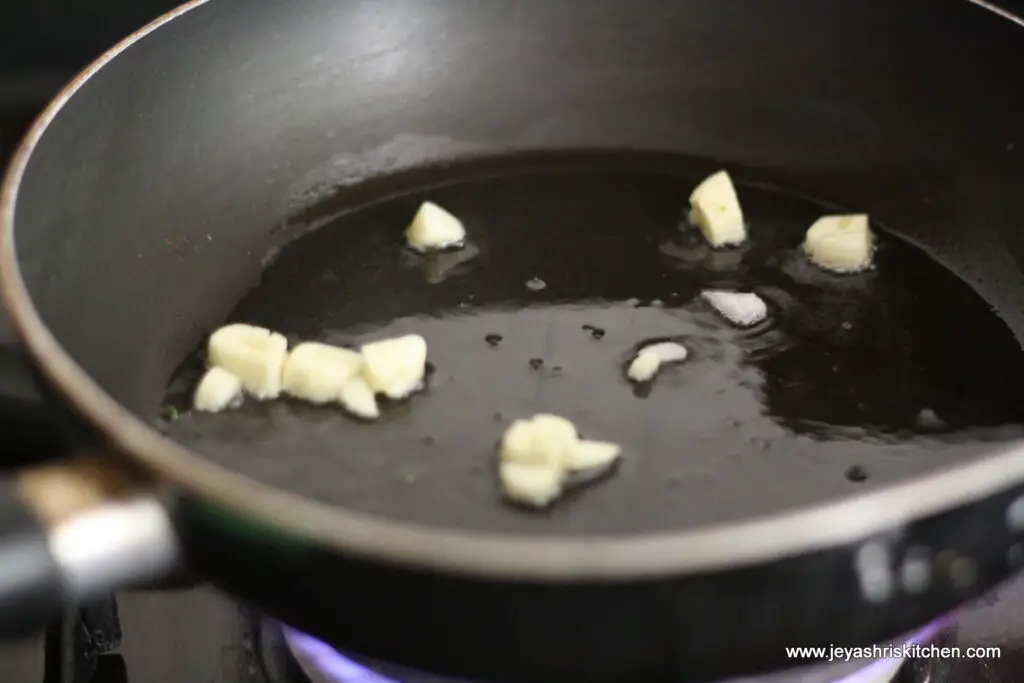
x: 196, y: 635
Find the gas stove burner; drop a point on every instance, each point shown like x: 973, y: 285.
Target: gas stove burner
x: 322, y: 663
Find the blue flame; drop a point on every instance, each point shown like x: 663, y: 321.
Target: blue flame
x: 341, y: 669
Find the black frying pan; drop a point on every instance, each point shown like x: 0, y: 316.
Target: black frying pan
x: 757, y: 505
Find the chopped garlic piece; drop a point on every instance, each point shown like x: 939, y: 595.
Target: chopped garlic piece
x: 536, y: 454
x: 667, y: 352
x: 530, y: 485
x: 395, y: 367
x: 555, y: 428
x: 434, y: 228
x: 840, y: 244
x: 254, y: 354
x: 517, y: 445
x: 588, y: 455
x: 650, y: 358
x: 740, y: 308
x: 544, y: 444
x: 316, y: 372
x: 357, y: 397
x: 715, y: 209
x: 555, y: 435
x: 644, y: 367
x: 217, y: 390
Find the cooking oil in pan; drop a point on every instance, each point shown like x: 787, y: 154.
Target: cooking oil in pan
x: 851, y: 382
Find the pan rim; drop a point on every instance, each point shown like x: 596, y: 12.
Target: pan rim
x: 794, y: 532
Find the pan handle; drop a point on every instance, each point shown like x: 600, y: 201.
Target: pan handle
x: 73, y: 531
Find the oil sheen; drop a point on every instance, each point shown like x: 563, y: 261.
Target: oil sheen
x: 853, y: 381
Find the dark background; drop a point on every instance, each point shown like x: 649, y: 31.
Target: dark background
x: 43, y: 42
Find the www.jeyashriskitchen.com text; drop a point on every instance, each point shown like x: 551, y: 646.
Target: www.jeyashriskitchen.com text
x: 846, y: 654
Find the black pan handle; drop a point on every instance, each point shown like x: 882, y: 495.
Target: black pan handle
x: 73, y: 531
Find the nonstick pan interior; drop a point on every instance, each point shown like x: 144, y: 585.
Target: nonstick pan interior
x: 574, y: 261
x: 150, y: 199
